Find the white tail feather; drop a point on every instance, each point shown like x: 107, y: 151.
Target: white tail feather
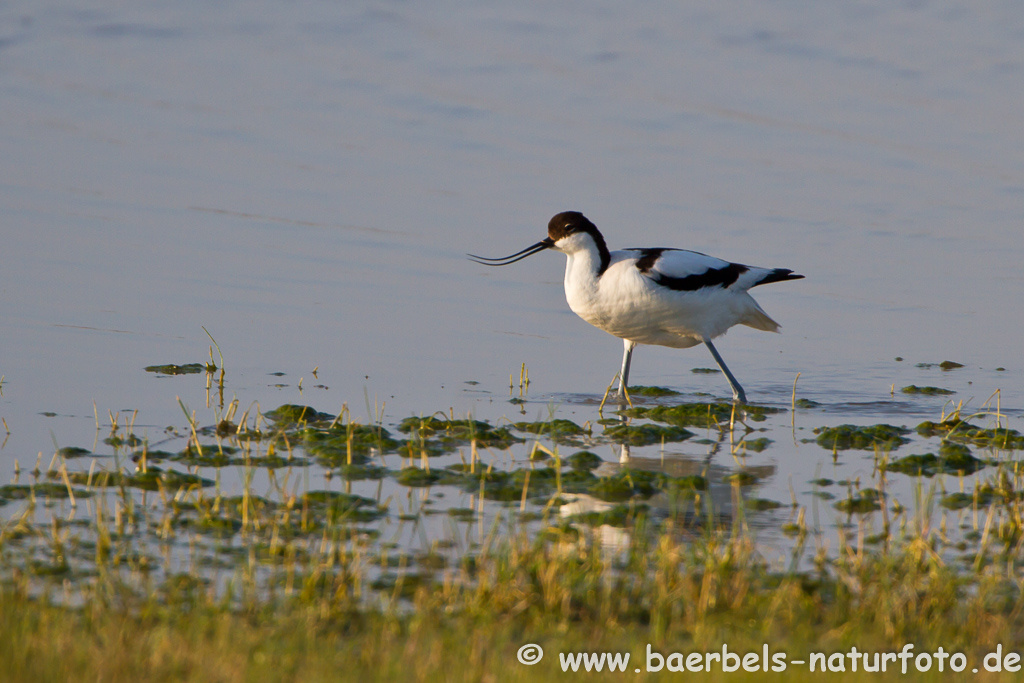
x: 760, y: 320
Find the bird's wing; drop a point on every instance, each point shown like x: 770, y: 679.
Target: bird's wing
x: 686, y: 271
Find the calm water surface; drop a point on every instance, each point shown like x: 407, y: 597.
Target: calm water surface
x: 304, y: 179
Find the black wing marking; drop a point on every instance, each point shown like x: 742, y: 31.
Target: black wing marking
x: 700, y: 270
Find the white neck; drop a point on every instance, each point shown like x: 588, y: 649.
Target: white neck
x: 582, y: 268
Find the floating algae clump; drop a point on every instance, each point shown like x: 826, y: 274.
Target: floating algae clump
x: 944, y: 365
x: 652, y: 392
x: 73, y: 452
x: 578, y: 481
x: 927, y: 464
x: 451, y: 434
x: 927, y: 391
x: 356, y: 472
x: 559, y: 430
x: 955, y: 429
x: 626, y: 484
x: 153, y: 479
x: 959, y: 501
x: 700, y: 414
x: 953, y: 458
x: 645, y: 435
x: 338, y: 505
x: 414, y: 476
x: 756, y: 445
x: 584, y: 460
x: 291, y: 414
x: 686, y: 484
x: 128, y: 440
x: 497, y: 485
x: 40, y: 490
x: 429, y: 426
x: 844, y: 437
x: 333, y: 446
x: 742, y: 478
x: 861, y: 502
x: 761, y: 504
x: 462, y: 514
x: 172, y: 369
x: 806, y: 403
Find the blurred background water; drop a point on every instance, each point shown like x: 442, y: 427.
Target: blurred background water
x: 303, y: 180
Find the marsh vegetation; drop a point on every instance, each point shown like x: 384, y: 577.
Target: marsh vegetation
x: 295, y: 543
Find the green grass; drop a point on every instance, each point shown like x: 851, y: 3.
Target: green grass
x: 557, y: 591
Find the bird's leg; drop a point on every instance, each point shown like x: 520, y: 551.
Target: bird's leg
x: 737, y: 391
x: 627, y: 355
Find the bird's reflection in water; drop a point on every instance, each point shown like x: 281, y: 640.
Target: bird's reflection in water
x: 691, y: 511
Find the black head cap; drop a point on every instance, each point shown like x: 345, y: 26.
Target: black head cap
x: 573, y: 222
x: 568, y: 223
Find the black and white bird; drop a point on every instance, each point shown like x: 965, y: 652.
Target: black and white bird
x: 667, y: 297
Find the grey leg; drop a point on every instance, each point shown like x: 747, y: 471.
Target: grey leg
x: 737, y: 390
x: 627, y: 356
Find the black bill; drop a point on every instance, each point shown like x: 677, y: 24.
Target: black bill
x: 545, y: 243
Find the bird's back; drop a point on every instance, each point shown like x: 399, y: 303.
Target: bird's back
x: 689, y: 271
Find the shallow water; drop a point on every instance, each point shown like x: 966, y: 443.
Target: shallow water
x: 303, y: 180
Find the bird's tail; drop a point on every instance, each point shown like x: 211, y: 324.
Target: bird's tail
x: 760, y: 320
x: 778, y: 275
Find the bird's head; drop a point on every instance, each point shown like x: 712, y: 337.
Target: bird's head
x: 568, y: 232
